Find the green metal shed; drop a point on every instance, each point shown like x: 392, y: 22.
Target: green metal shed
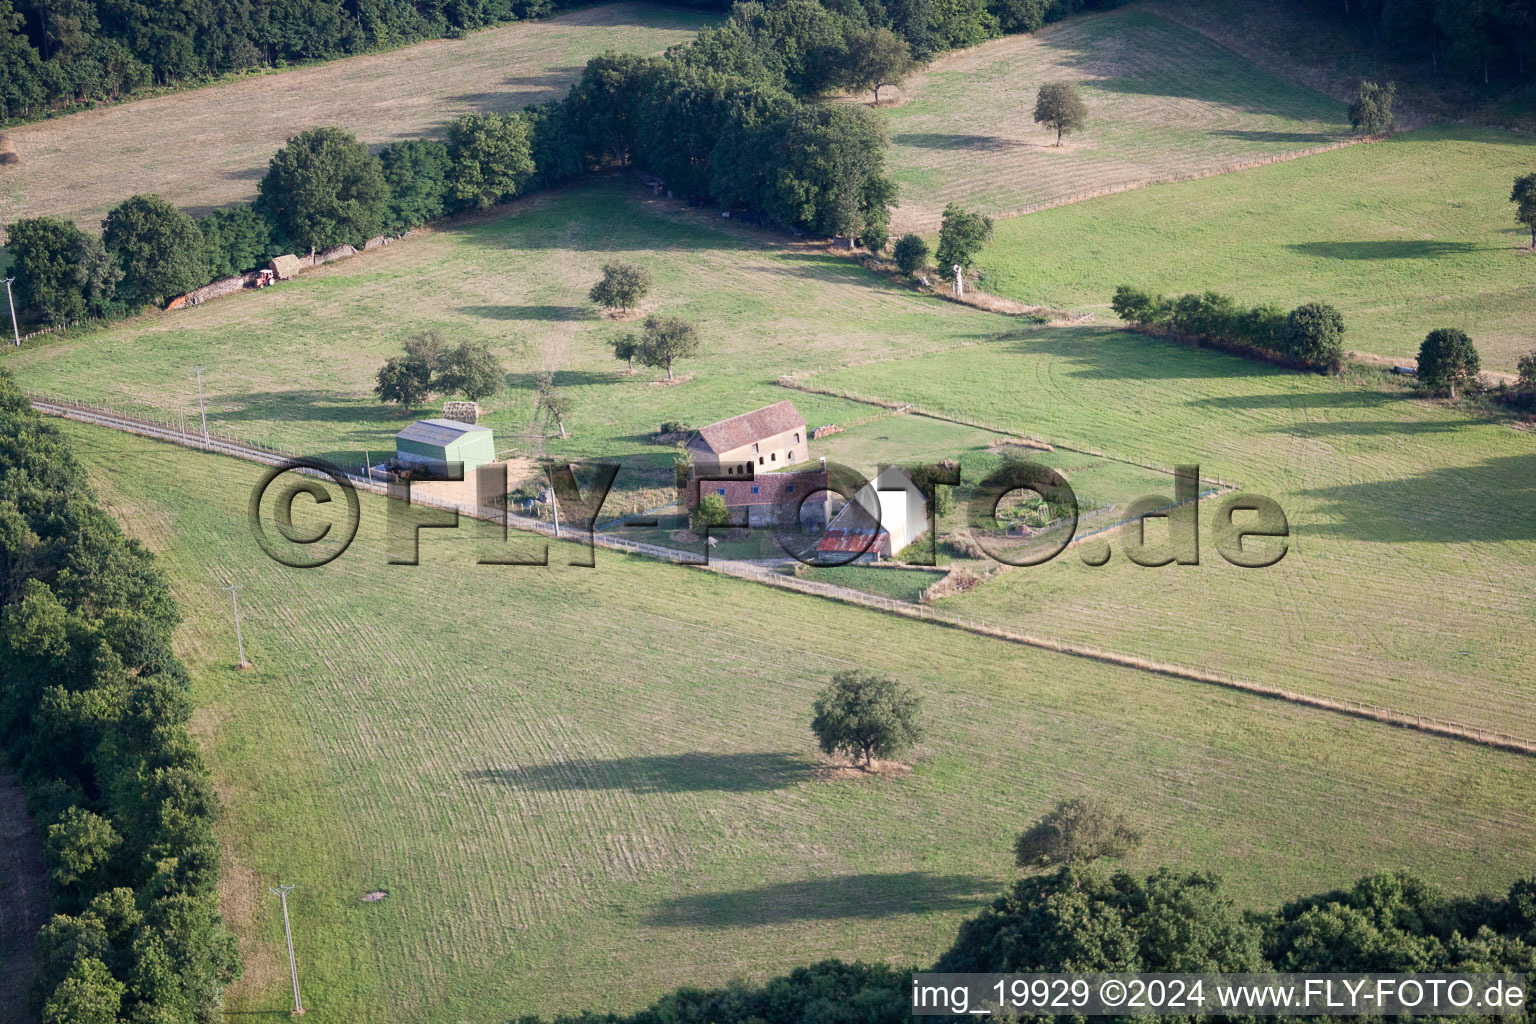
x: 442, y: 441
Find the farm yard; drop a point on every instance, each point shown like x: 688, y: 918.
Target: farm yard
x: 503, y: 789
x: 209, y: 147
x: 1164, y: 103
x: 672, y: 821
x: 1401, y: 235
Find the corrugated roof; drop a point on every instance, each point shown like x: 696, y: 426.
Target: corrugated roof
x: 728, y: 435
x: 439, y: 431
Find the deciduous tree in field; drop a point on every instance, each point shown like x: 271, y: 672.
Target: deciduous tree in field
x: 492, y: 157
x: 626, y: 348
x: 910, y: 253
x: 324, y: 188
x: 1370, y: 113
x: 557, y: 406
x: 961, y: 237
x: 876, y: 58
x: 469, y: 369
x: 864, y: 715
x: 1448, y: 361
x: 1075, y: 831
x: 667, y: 338
x: 1059, y: 107
x: 158, y: 248
x: 622, y: 286
x: 1524, y: 198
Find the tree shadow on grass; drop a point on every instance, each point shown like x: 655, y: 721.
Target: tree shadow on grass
x: 1384, y: 249
x: 527, y: 312
x: 565, y: 379
x: 1488, y: 502
x: 949, y: 140
x: 659, y: 773
x: 1097, y: 353
x: 867, y: 896
x: 1299, y: 138
x: 307, y: 405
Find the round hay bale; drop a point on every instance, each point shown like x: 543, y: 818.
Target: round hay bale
x: 8, y: 154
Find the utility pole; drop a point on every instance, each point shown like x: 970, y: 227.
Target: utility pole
x: 239, y: 640
x: 201, y: 407
x: 368, y: 465
x: 293, y: 967
x: 15, y: 331
x: 959, y: 280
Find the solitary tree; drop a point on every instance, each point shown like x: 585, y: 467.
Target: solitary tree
x: 1075, y: 831
x: 665, y: 339
x: 158, y: 248
x: 469, y: 369
x: 557, y: 406
x: 626, y: 348
x: 876, y: 58
x: 1060, y: 108
x: 1315, y: 333
x: 961, y: 237
x: 623, y: 285
x: 1370, y: 113
x: 1524, y: 198
x: 861, y: 714
x: 324, y: 188
x: 910, y: 253
x: 1448, y: 360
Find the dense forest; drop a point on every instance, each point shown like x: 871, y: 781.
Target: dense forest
x: 94, y: 708
x: 1492, y: 42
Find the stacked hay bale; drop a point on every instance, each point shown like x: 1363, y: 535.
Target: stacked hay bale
x: 8, y: 154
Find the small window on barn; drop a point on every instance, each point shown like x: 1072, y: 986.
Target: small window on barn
x: 789, y: 456
x: 755, y: 488
x: 774, y: 457
x: 759, y: 460
x: 789, y: 488
x: 797, y: 437
x: 754, y: 446
x: 720, y: 491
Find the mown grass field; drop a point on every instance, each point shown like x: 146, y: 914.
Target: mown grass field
x: 1406, y: 583
x: 294, y: 365
x: 584, y: 786
x: 209, y: 147
x: 1404, y: 236
x: 1164, y: 101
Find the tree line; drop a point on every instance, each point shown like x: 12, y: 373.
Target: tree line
x: 1310, y: 336
x: 1162, y: 921
x: 1493, y: 43
x: 59, y: 54
x: 94, y: 707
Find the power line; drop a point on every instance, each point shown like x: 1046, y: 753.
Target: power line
x: 15, y: 331
x: 239, y: 640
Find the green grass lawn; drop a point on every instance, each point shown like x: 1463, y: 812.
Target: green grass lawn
x: 1164, y: 103
x: 582, y: 787
x: 1407, y: 583
x: 1403, y: 236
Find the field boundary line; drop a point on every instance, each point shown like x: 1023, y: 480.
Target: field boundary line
x: 752, y: 572
x: 912, y: 408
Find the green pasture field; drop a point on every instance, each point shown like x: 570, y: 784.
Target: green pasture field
x: 1403, y: 236
x: 582, y: 787
x: 1164, y: 103
x: 294, y: 365
x: 1407, y: 580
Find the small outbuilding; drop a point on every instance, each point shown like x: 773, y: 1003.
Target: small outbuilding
x: 432, y: 444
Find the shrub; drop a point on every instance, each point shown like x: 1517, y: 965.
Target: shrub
x: 710, y: 511
x: 1370, y: 113
x: 1075, y: 831
x: 1308, y: 337
x: 910, y: 253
